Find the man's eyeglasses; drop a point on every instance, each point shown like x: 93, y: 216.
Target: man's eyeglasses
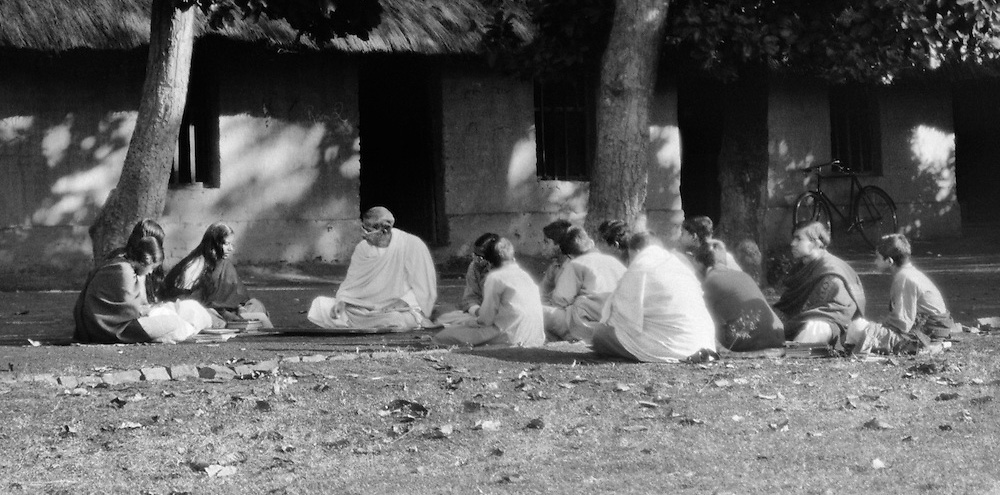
x: 365, y: 232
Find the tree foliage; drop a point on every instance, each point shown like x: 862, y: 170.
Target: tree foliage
x: 319, y: 20
x: 563, y: 38
x: 862, y: 40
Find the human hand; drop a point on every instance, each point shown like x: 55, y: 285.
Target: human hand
x: 474, y: 310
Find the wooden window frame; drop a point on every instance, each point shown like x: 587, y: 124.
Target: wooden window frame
x: 565, y: 129
x: 197, y: 157
x: 855, y: 128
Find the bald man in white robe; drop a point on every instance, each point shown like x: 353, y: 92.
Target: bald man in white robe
x: 391, y: 282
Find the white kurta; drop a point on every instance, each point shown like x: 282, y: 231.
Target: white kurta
x: 658, y: 311
x: 583, y: 287
x: 511, y: 313
x: 377, y: 277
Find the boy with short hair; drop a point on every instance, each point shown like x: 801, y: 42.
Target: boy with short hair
x: 917, y: 313
x: 915, y: 303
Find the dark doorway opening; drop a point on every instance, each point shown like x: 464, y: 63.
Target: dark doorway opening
x: 400, y: 107
x: 976, y: 107
x: 699, y: 116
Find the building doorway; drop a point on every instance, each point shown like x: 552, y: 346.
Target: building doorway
x: 400, y: 107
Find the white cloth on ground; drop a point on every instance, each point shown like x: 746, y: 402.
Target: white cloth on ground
x: 175, y: 321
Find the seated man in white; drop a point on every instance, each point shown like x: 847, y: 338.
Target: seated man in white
x: 390, y: 283
x: 586, y: 281
x: 657, y: 313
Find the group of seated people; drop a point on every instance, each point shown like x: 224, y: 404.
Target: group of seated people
x: 130, y: 298
x: 633, y: 298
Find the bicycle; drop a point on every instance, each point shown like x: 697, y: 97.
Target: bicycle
x: 872, y: 212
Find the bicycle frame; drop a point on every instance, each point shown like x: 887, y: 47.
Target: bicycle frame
x: 870, y: 212
x: 848, y: 215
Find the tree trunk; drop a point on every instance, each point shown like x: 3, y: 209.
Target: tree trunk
x: 743, y: 162
x: 628, y: 76
x: 142, y: 189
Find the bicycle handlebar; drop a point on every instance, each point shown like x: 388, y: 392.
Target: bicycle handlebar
x: 833, y: 164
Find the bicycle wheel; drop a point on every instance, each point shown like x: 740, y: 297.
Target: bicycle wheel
x: 874, y: 214
x: 811, y: 206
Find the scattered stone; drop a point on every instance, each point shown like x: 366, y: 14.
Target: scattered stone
x: 183, y: 372
x: 343, y: 357
x: 120, y: 377
x: 69, y: 382
x: 265, y: 366
x: 158, y: 373
x: 46, y: 378
x: 243, y: 371
x: 215, y: 372
x: 88, y: 380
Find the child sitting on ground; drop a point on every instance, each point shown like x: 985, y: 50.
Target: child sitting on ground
x: 511, y: 313
x: 917, y: 313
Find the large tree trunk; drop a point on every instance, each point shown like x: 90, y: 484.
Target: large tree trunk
x: 628, y: 75
x: 142, y: 189
x: 743, y: 162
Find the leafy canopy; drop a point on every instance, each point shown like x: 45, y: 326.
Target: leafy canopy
x: 865, y: 40
x: 319, y: 20
x: 861, y: 40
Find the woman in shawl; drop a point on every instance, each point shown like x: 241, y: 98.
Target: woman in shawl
x: 823, y: 293
x: 207, y: 275
x: 112, y: 307
x: 154, y: 280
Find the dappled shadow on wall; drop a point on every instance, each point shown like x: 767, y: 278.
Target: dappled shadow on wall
x: 289, y: 190
x: 59, y: 170
x: 932, y: 154
x: 561, y: 197
x: 923, y: 187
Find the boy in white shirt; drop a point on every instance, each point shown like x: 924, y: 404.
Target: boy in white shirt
x: 917, y: 312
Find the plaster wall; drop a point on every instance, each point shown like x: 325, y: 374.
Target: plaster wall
x: 288, y: 143
x: 918, y: 150
x: 488, y: 148
x: 490, y: 166
x: 290, y: 162
x: 65, y: 124
x: 663, y: 199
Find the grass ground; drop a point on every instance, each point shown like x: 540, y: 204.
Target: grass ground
x: 550, y: 420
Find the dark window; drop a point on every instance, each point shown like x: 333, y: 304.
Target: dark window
x: 564, y: 129
x: 854, y: 128
x: 196, y: 160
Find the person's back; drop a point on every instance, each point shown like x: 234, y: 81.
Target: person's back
x: 587, y: 279
x: 658, y: 312
x: 108, y: 308
x: 912, y: 295
x: 594, y: 272
x: 744, y: 320
x: 513, y: 304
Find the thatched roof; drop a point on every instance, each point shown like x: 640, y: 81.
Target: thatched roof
x: 409, y: 26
